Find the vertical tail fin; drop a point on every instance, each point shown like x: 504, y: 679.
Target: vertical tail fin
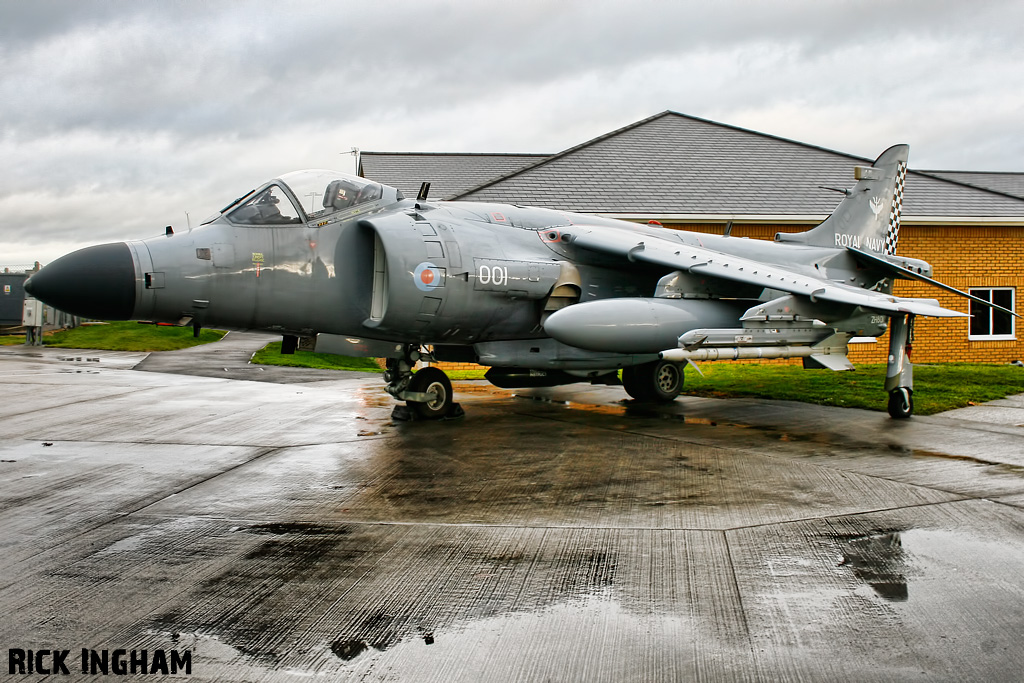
x: 868, y: 218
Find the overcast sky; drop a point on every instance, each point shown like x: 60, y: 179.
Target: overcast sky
x: 118, y: 118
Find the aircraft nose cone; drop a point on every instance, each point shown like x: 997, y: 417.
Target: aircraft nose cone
x: 95, y: 282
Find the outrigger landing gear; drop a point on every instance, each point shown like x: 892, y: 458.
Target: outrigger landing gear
x: 899, y: 373
x: 660, y: 381
x: 427, y: 393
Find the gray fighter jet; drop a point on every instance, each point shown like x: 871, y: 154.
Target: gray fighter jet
x: 340, y: 264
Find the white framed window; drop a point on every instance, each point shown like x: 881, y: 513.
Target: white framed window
x: 988, y: 323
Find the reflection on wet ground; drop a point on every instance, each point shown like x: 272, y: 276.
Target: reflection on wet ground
x: 879, y: 561
x: 283, y: 531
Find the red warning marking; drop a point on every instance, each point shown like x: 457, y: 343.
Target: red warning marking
x: 498, y: 216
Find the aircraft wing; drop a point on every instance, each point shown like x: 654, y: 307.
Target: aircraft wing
x: 703, y: 261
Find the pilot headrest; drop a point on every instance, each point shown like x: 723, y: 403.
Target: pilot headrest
x: 331, y: 193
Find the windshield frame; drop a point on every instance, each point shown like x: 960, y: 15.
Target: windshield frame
x: 295, y: 184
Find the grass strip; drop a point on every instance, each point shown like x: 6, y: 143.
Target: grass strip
x: 127, y: 336
x: 937, y: 387
x: 271, y: 355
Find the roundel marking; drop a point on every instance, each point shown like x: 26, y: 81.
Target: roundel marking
x: 426, y: 277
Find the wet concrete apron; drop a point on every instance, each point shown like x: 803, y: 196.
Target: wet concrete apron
x: 282, y: 530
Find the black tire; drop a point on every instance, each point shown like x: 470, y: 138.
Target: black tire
x: 658, y: 382
x: 631, y: 382
x: 901, y: 403
x: 435, y: 382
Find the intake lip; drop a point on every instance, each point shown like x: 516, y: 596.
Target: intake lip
x: 96, y: 282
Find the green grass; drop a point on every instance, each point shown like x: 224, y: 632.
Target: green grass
x: 936, y: 387
x: 11, y: 339
x: 271, y: 355
x: 129, y: 336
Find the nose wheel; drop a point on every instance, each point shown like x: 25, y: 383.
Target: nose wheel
x: 427, y: 393
x: 435, y: 386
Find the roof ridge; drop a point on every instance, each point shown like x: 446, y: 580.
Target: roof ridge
x: 853, y: 156
x: 930, y: 174
x: 1020, y: 173
x: 637, y: 124
x: 563, y: 153
x: 771, y: 136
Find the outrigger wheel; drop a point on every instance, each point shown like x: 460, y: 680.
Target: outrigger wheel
x: 901, y: 403
x: 660, y: 381
x: 899, y: 372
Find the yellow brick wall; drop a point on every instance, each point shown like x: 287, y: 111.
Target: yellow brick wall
x: 448, y: 367
x: 962, y: 257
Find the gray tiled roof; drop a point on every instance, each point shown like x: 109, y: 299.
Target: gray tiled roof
x: 676, y: 164
x: 1007, y: 183
x: 448, y: 174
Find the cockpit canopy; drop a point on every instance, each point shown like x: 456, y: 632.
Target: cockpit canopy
x: 304, y: 196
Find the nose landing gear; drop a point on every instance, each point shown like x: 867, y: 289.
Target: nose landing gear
x: 427, y: 393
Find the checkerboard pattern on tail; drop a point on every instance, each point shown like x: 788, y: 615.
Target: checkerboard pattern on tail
x: 892, y: 236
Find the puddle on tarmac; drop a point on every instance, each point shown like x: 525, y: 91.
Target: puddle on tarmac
x: 580, y: 584
x: 879, y: 561
x: 627, y: 408
x: 1002, y: 466
x: 633, y: 641
x: 374, y: 398
x: 925, y: 564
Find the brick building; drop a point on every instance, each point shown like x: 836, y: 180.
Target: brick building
x: 699, y: 175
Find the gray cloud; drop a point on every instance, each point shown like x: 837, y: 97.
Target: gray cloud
x: 135, y: 113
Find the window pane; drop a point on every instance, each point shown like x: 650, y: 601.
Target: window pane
x: 1001, y: 323
x: 1003, y: 297
x: 979, y: 316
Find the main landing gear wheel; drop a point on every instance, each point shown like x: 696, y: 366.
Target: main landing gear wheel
x: 658, y: 382
x: 438, y: 387
x: 901, y: 403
